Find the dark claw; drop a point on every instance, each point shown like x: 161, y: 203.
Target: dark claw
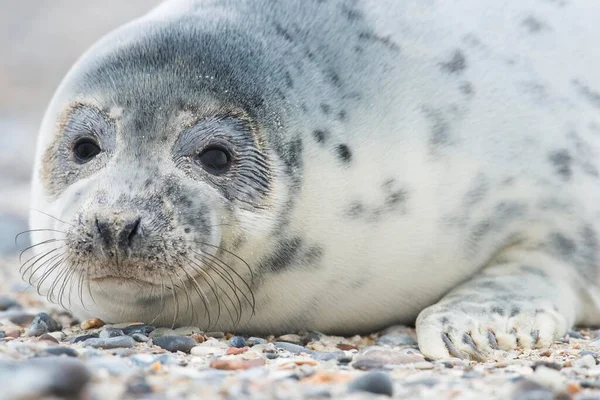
x: 492, y: 339
x: 450, y: 346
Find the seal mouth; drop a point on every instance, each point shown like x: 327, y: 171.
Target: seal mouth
x: 120, y: 280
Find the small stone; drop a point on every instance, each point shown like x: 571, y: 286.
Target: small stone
x: 59, y: 335
x: 423, y: 365
x: 2, y: 334
x: 142, y: 360
x: 472, y: 374
x: 13, y: 333
x: 236, y: 350
x: 8, y: 302
x: 310, y: 337
x: 591, y: 384
x: 397, y: 339
x: 547, y: 364
x: 110, y: 343
x: 216, y: 335
x: 253, y: 341
x: 138, y: 337
x: 576, y: 335
x: 42, y: 377
x: 187, y: 330
x: 139, y: 328
x: 586, y: 361
x: 292, y: 348
x: 373, y: 382
x: 291, y: 338
x: 271, y: 356
x: 345, y: 346
x: 110, y: 332
x: 18, y: 317
x: 327, y: 355
x: 158, y: 332
x: 91, y: 324
x: 429, y: 382
x: 43, y: 323
x: 232, y: 365
x: 59, y: 351
x: 174, y: 343
x: 48, y: 338
x: 139, y: 387
x: 527, y: 389
x: 237, y: 341
x: 206, y: 351
x: 385, y: 355
x: 82, y: 338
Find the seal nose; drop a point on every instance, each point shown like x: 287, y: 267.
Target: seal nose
x: 122, y: 232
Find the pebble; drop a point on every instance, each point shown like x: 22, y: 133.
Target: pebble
x: 59, y: 351
x: 63, y: 377
x: 216, y: 335
x: 82, y: 338
x: 139, y: 387
x: 237, y: 364
x: 206, y: 351
x: 110, y: 332
x: 327, y: 355
x: 396, y: 339
x: 253, y: 341
x: 576, y: 335
x: 142, y: 360
x: 17, y: 317
x: 292, y: 348
x: 43, y: 323
x: 13, y: 333
x: 238, y: 341
x: 174, y: 343
x: 585, y: 361
x: 291, y: 338
x: 59, y: 335
x: 2, y: 334
x: 526, y: 389
x: 187, y: 330
x: 138, y: 337
x: 378, y: 356
x: 48, y: 338
x: 162, y: 332
x: 91, y: 324
x: 139, y: 328
x: 373, y: 382
x: 110, y: 343
x: 8, y: 302
x: 237, y: 350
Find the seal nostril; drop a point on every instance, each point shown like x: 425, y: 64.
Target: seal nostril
x: 104, y: 230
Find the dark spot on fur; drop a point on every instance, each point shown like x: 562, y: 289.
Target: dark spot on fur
x: 440, y: 130
x: 478, y: 191
x: 515, y: 311
x: 497, y: 310
x: 384, y: 40
x: 592, y: 96
x: 187, y: 230
x: 355, y: 210
x: 281, y: 31
x: 562, y: 244
x: 313, y: 255
x: 320, y: 136
x: 456, y: 64
x: 334, y: 77
x: 395, y: 198
x: 562, y: 162
x: 466, y: 88
x: 326, y: 108
x: 288, y: 80
x: 351, y: 14
x: 283, y: 256
x: 342, y: 115
x: 344, y: 153
x: 444, y: 320
x: 533, y: 25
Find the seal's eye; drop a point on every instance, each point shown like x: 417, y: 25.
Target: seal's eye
x: 85, y: 149
x: 215, y: 160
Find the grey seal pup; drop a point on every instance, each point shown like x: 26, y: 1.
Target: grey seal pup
x: 331, y: 165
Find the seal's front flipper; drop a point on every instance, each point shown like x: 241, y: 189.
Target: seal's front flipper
x: 524, y: 299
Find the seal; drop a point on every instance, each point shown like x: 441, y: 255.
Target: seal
x: 330, y: 165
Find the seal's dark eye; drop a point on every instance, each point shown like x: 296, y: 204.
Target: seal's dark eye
x: 215, y: 160
x: 85, y: 149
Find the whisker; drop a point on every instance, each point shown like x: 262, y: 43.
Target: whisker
x: 203, y: 297
x: 35, y: 230
x: 39, y: 244
x: 51, y: 216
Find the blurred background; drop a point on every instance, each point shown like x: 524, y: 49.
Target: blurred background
x: 39, y: 41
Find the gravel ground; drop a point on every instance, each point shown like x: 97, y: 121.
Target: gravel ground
x: 44, y: 352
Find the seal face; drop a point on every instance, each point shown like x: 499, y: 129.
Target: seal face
x: 331, y: 165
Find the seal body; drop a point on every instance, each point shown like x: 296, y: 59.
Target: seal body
x: 337, y: 166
